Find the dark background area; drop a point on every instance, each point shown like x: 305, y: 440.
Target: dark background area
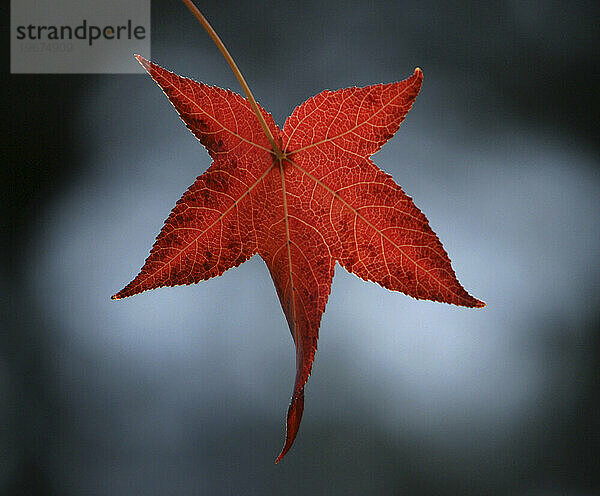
x: 184, y: 390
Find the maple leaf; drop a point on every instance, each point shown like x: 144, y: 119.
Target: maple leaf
x: 314, y: 200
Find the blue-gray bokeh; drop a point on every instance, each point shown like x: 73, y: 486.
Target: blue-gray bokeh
x: 184, y: 390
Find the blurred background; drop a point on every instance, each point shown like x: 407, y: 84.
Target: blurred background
x: 184, y: 390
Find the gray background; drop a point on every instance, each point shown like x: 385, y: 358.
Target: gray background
x: 184, y: 390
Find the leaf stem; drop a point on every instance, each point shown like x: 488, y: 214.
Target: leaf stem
x: 215, y: 37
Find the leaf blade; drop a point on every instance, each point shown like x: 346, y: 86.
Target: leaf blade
x: 317, y: 202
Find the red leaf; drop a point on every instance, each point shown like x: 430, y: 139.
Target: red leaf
x: 325, y: 201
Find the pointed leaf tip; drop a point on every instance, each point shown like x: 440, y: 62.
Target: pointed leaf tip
x: 418, y: 74
x: 143, y: 62
x: 294, y: 416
